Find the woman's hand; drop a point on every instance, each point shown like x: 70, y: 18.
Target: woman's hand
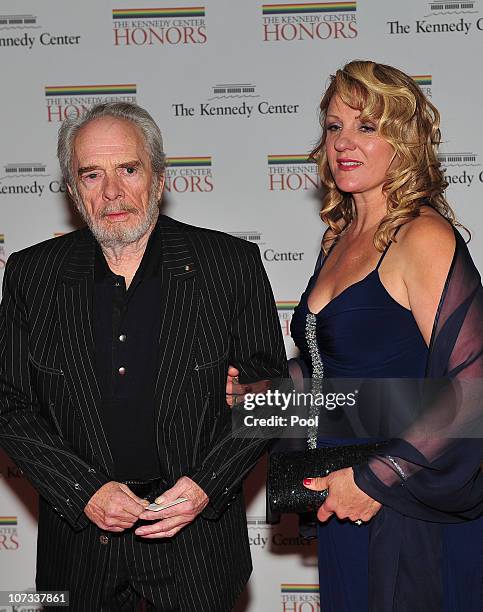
x: 345, y: 499
x: 232, y: 385
x: 235, y: 391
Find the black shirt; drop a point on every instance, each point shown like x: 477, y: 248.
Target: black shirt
x: 126, y: 332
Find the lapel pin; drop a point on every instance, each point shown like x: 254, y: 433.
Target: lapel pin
x: 187, y: 268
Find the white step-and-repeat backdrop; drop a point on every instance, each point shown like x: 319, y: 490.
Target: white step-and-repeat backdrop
x: 235, y: 87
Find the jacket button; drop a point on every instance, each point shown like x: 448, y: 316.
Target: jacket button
x: 103, y: 539
x: 77, y: 486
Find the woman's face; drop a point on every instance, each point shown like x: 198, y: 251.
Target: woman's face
x: 358, y: 157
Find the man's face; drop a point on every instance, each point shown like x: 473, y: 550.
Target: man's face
x: 114, y: 181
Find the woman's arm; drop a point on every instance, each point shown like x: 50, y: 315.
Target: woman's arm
x: 426, y: 249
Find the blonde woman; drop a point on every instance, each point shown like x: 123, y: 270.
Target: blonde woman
x: 394, y: 295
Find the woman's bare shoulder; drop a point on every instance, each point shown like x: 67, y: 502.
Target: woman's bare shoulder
x: 427, y: 237
x: 426, y: 246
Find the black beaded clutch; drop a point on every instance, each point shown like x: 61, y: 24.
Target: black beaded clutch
x: 287, y: 470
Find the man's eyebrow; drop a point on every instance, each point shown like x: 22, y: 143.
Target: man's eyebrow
x: 85, y: 169
x: 135, y: 163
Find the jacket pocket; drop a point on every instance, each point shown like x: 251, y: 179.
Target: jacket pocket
x: 43, y: 368
x: 211, y: 364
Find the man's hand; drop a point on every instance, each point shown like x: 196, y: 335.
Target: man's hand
x: 175, y: 518
x: 345, y: 499
x: 114, y: 507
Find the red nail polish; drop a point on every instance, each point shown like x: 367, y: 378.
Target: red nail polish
x: 307, y: 481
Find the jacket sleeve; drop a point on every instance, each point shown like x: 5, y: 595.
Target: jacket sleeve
x: 60, y: 476
x: 257, y: 351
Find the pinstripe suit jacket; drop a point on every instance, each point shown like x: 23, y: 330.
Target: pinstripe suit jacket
x: 217, y: 308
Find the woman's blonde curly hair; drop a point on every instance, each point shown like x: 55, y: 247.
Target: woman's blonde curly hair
x: 410, y: 123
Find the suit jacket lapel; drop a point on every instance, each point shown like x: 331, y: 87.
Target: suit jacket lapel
x: 179, y: 314
x: 75, y: 302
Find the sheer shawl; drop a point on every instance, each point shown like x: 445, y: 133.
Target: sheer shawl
x: 433, y: 475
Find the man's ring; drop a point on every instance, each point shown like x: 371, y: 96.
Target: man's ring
x: 359, y: 522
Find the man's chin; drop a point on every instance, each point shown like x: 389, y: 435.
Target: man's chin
x: 110, y: 234
x: 120, y: 234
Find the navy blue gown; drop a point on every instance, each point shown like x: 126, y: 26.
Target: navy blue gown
x: 364, y: 332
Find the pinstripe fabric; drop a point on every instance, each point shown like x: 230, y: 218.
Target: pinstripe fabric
x: 216, y: 308
x: 136, y: 569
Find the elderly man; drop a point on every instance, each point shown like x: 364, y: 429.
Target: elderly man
x: 114, y: 347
